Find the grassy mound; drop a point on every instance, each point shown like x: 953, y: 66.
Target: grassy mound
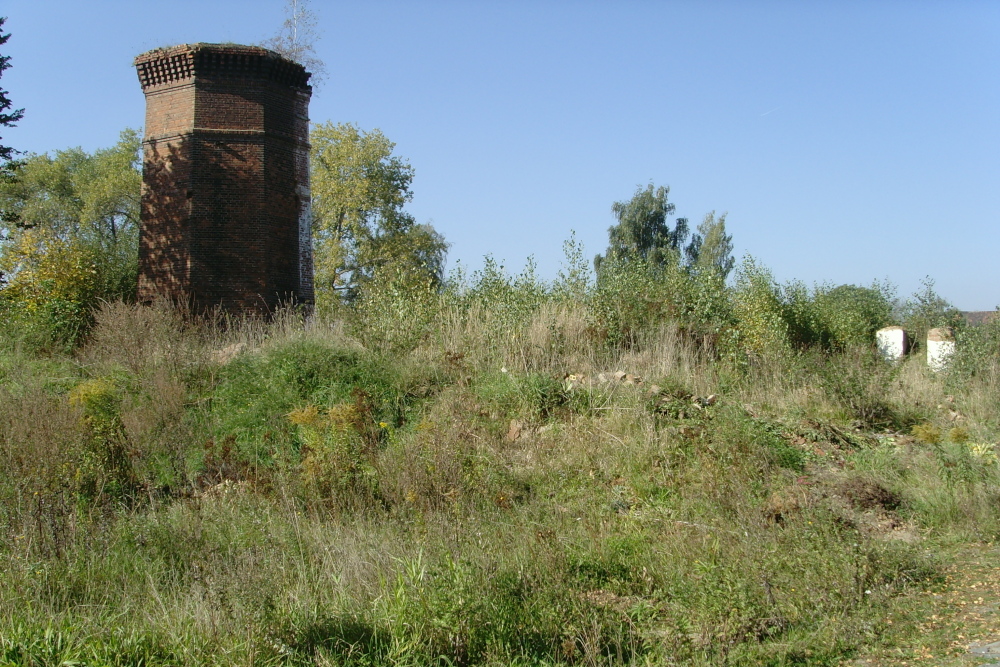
x: 511, y: 486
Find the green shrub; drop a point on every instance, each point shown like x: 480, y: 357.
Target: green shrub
x: 106, y: 469
x: 697, y: 301
x: 625, y: 301
x: 510, y: 299
x: 575, y: 279
x: 836, y: 317
x: 492, y: 311
x: 849, y: 316
x: 634, y: 296
x: 859, y: 380
x: 256, y: 391
x: 339, y: 452
x: 55, y: 325
x: 977, y: 354
x: 759, y: 311
x: 532, y: 396
x: 393, y: 315
x: 925, y: 310
x: 71, y: 240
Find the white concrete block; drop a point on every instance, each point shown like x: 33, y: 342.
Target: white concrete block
x: 892, y: 342
x: 940, y: 348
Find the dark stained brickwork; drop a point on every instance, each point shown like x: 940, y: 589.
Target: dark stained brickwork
x: 225, y: 200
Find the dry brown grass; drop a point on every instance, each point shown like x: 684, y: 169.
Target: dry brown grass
x: 140, y: 339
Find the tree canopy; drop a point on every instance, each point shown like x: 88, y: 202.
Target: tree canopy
x: 711, y: 248
x: 296, y: 40
x: 69, y: 234
x: 360, y: 227
x: 8, y: 117
x: 643, y: 233
x: 92, y: 197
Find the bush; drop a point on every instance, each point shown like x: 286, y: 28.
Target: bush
x: 835, y: 318
x: 977, y: 354
x: 849, y: 316
x: 487, y: 318
x: 71, y: 240
x: 533, y: 397
x: 625, y: 302
x: 106, y: 468
x: 256, y: 391
x: 859, y: 380
x: 925, y: 310
x: 634, y: 297
x: 393, y: 314
x: 759, y: 311
x: 339, y: 452
x: 48, y: 302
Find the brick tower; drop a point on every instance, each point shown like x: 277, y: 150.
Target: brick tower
x: 225, y: 197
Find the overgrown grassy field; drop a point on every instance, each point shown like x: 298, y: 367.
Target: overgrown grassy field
x: 505, y: 475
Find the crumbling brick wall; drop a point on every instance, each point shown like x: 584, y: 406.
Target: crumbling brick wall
x: 225, y: 200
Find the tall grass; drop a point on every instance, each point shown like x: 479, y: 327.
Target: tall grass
x: 499, y: 479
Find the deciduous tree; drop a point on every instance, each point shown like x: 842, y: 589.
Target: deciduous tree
x: 643, y: 231
x: 360, y: 227
x: 297, y: 39
x: 70, y: 232
x: 711, y: 248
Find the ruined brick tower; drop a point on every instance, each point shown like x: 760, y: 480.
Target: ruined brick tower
x: 225, y: 197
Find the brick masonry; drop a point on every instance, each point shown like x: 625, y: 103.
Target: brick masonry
x: 225, y: 198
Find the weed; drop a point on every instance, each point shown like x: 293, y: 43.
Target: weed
x: 858, y: 379
x: 927, y: 433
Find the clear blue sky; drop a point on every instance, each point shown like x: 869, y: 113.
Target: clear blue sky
x: 848, y: 141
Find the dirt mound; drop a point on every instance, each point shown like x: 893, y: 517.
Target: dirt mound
x: 866, y: 494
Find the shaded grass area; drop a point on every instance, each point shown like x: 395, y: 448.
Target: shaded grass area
x: 282, y: 494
